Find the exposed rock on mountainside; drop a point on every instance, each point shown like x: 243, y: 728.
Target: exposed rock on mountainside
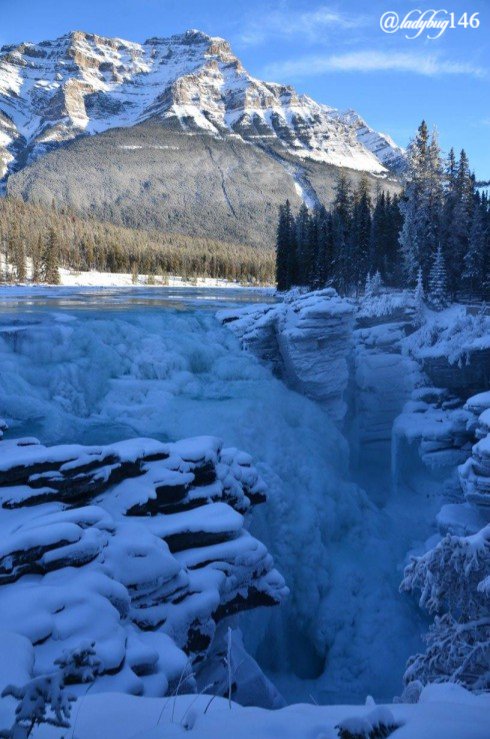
x: 139, y: 547
x: 255, y: 141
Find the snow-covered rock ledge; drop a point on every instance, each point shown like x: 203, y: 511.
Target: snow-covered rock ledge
x: 307, y: 338
x: 140, y: 547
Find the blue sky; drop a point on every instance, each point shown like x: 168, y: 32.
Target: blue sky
x: 333, y: 51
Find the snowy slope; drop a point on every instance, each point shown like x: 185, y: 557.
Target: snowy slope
x: 53, y: 91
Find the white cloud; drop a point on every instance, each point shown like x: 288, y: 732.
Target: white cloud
x: 311, y: 24
x: 371, y: 61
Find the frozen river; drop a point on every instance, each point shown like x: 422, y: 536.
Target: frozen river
x: 95, y: 366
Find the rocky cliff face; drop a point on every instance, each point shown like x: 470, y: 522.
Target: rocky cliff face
x: 83, y: 83
x: 308, y: 339
x: 391, y: 384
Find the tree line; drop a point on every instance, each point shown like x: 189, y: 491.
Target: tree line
x: 36, y: 241
x: 435, y: 233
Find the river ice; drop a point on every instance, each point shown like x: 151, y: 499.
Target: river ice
x: 95, y: 367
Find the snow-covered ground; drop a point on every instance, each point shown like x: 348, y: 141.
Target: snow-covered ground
x: 443, y: 712
x: 122, y: 279
x: 94, y: 278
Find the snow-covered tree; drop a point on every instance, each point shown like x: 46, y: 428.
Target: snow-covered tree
x: 422, y: 203
x: 42, y: 700
x: 376, y: 283
x: 437, y: 293
x: 460, y: 203
x: 418, y: 299
x: 79, y: 665
x: 454, y: 584
x: 474, y: 259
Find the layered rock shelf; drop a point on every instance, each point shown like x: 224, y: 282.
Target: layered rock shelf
x: 140, y: 547
x: 307, y: 338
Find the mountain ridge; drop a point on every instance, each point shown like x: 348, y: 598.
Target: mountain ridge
x: 53, y: 91
x: 173, y: 134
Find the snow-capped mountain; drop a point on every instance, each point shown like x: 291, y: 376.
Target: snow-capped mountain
x: 53, y: 91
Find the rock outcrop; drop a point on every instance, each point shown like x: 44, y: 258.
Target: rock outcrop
x: 140, y: 547
x: 307, y: 338
x: 475, y: 472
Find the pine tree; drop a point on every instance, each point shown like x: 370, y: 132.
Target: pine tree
x: 452, y: 579
x: 50, y: 258
x: 341, y: 225
x: 459, y: 213
x: 376, y: 283
x: 341, y: 261
x: 438, y: 295
x: 360, y: 233
x: 20, y: 262
x: 324, y: 263
x: 313, y: 250
x: 376, y: 251
x: 474, y: 259
x: 282, y: 246
x: 422, y: 203
x: 302, y: 245
x: 36, y: 256
x: 418, y: 299
x: 292, y: 260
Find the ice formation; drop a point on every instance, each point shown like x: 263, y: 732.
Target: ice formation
x: 352, y: 385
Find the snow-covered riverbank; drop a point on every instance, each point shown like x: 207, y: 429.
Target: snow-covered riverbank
x: 94, y: 278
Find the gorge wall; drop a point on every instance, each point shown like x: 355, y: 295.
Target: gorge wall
x: 396, y: 390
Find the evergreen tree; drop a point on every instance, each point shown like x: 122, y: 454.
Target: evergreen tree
x: 418, y: 299
x: 367, y: 286
x: 302, y: 246
x: 341, y: 261
x: 36, y: 256
x: 292, y: 259
x: 313, y: 250
x: 474, y: 259
x: 50, y: 259
x: 376, y: 242
x: 422, y: 203
x: 376, y: 283
x: 360, y: 233
x: 341, y: 224
x: 324, y: 257
x: 459, y: 212
x: 437, y: 295
x: 282, y: 247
